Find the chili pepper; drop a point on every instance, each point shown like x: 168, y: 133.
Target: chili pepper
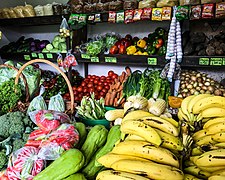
x: 162, y: 50
x: 122, y: 49
x: 38, y: 134
x: 151, y: 50
x: 160, y: 31
x: 131, y: 50
x: 141, y: 43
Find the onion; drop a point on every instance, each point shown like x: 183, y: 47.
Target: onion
x: 188, y: 94
x: 207, y: 92
x: 198, y: 75
x: 193, y: 78
x: 182, y: 82
x: 183, y: 74
x: 189, y: 86
x: 195, y: 84
x: 187, y: 79
x: 196, y: 93
x: 211, y: 89
x: 207, y: 83
x: 199, y: 79
x: 208, y: 80
x: 204, y: 78
x: 202, y: 91
x: 192, y: 91
x: 185, y: 90
x: 184, y: 95
x: 200, y: 84
x: 183, y: 86
x: 182, y: 78
x: 187, y: 76
x: 180, y: 96
x: 192, y: 82
x: 204, y: 88
x: 217, y: 92
x: 212, y: 81
x: 198, y: 88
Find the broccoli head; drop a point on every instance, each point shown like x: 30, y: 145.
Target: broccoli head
x: 3, y: 160
x: 17, y: 144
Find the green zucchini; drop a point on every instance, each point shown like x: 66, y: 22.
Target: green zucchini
x: 68, y: 163
x: 82, y: 133
x: 96, y: 138
x: 77, y: 176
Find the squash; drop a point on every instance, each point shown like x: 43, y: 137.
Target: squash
x: 77, y: 176
x: 70, y: 162
x: 81, y: 128
x: 112, y: 115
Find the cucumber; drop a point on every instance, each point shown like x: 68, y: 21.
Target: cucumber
x: 77, y: 176
x: 68, y: 163
x: 82, y: 133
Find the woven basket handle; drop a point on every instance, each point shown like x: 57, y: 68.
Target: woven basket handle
x: 54, y: 66
x: 23, y: 77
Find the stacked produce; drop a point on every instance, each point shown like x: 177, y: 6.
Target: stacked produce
x: 194, y: 83
x: 154, y: 44
x: 58, y: 45
x: 208, y: 150
x: 150, y: 147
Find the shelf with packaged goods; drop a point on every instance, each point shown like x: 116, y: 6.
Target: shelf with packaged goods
x: 33, y: 21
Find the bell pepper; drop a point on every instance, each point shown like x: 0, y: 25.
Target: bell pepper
x: 141, y: 43
x: 152, y: 37
x: 113, y: 50
x: 131, y: 50
x: 151, y: 50
x: 162, y: 50
x: 160, y: 31
x: 122, y: 49
x: 158, y: 43
x: 145, y: 53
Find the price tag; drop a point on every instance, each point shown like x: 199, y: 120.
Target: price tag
x: 110, y: 59
x: 203, y: 61
x: 223, y: 61
x: 216, y: 61
x: 85, y: 56
x: 152, y: 61
x: 34, y: 55
x: 27, y: 57
x: 94, y: 59
x: 40, y: 56
x: 49, y: 56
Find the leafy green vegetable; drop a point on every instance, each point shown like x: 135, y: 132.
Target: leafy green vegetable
x: 110, y: 40
x: 95, y: 48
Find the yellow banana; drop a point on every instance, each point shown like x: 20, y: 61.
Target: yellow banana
x: 181, y: 115
x: 211, y: 169
x: 190, y: 177
x: 193, y: 158
x: 108, y: 159
x: 118, y: 175
x: 208, y: 102
x: 146, y: 150
x: 213, y: 121
x: 139, y: 128
x: 196, y: 99
x: 213, y: 112
x: 149, y: 169
x: 170, y: 142
x: 219, y: 172
x: 185, y: 102
x: 161, y: 124
x: 195, y: 171
x: 215, y: 128
x: 172, y: 121
x: 132, y: 137
x: 137, y: 114
x: 216, y: 177
x: 205, y: 140
x: 219, y: 137
x: 211, y: 158
x: 196, y: 151
x: 220, y: 145
x: 199, y: 134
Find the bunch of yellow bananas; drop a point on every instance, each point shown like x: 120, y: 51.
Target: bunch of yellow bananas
x: 148, y: 151
x: 207, y: 159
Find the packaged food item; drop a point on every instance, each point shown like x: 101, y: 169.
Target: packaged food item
x: 129, y: 14
x: 76, y: 2
x: 112, y: 17
x: 146, y: 4
x: 89, y: 8
x: 208, y: 11
x: 115, y: 5
x: 137, y: 14
x: 220, y: 10
x: 120, y: 17
x: 66, y: 9
x: 166, y: 13
x: 210, y: 1
x: 130, y: 4
x: 146, y: 14
x: 97, y: 18
x: 157, y: 14
x: 196, y: 12
x: 166, y: 3
x: 189, y: 2
x: 28, y: 11
x: 91, y: 18
x: 57, y: 8
x: 39, y: 10
x: 76, y: 8
x: 182, y: 13
x: 102, y: 7
x: 12, y: 13
x: 19, y: 11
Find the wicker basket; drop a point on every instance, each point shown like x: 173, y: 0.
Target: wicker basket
x: 70, y: 106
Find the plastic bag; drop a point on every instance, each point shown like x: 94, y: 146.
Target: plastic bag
x: 25, y: 163
x: 28, y: 11
x: 7, y: 73
x: 65, y: 136
x: 146, y: 4
x: 130, y: 4
x: 38, y: 103
x: 39, y: 10
x: 166, y: 3
x: 189, y: 2
x: 210, y: 1
x: 48, y: 11
x: 12, y: 13
x: 56, y: 103
x: 48, y: 120
x: 19, y: 11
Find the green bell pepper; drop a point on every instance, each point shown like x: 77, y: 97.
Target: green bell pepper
x: 162, y: 51
x: 151, y: 50
x: 160, y: 31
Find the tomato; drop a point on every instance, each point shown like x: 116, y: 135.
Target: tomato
x: 108, y: 78
x: 105, y: 83
x: 97, y: 78
x: 99, y: 88
x: 90, y: 85
x: 76, y: 98
x: 104, y: 90
x: 89, y: 76
x: 102, y: 93
x: 100, y: 83
x: 114, y: 76
x: 96, y: 95
x: 102, y: 80
x: 85, y: 90
x: 95, y: 81
x: 110, y: 73
x: 79, y: 89
x: 91, y: 89
x: 93, y: 76
x: 74, y: 88
x: 75, y: 92
x: 80, y: 95
x: 92, y: 80
x: 102, y: 77
x: 107, y: 87
x: 83, y: 84
x: 108, y: 81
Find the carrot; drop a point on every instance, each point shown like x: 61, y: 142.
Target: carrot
x: 112, y: 97
x: 118, y: 95
x: 122, y: 101
x: 107, y: 97
x: 128, y: 70
x: 120, y: 88
x: 121, y: 93
x: 115, y: 102
x: 122, y: 77
x: 117, y: 85
x: 116, y: 80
